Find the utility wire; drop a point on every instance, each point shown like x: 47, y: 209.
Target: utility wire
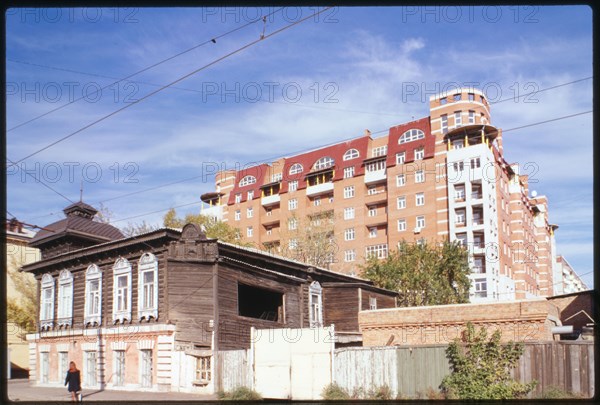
x: 129, y: 76
x: 250, y: 44
x: 39, y: 181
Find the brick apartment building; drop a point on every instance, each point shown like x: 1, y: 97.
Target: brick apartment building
x: 439, y: 177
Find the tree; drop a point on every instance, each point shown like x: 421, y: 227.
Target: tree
x: 213, y: 227
x: 481, y: 369
x: 22, y: 310
x: 423, y: 274
x: 310, y: 240
x: 133, y: 229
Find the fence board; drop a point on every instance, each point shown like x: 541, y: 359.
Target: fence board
x: 236, y: 370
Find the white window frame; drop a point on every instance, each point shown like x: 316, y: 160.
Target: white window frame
x: 250, y: 195
x: 324, y: 163
x: 91, y: 317
x: 292, y: 203
x: 420, y: 199
x: 375, y: 166
x: 90, y: 371
x: 471, y: 117
x: 401, y: 202
x: 296, y: 168
x: 420, y: 176
x: 63, y: 364
x: 349, y: 213
x: 203, y: 371
x: 47, y: 302
x: 379, y: 151
x: 148, y: 263
x: 292, y: 224
x: 373, y: 232
x: 351, y: 154
x: 317, y: 201
x: 460, y: 217
x: 411, y: 135
x: 65, y: 299
x: 349, y: 234
x: 144, y: 382
x: 420, y: 222
x: 401, y: 225
x: 419, y: 153
x: 348, y: 172
x: 247, y: 180
x: 372, y: 211
x: 119, y: 371
x: 293, y: 185
x: 457, y: 118
x: 350, y: 255
x: 372, y: 303
x: 238, y: 215
x: 121, y: 268
x: 379, y: 251
x: 249, y: 232
x: 238, y: 198
x: 444, y: 123
x: 249, y: 212
x: 348, y: 191
x: 315, y: 305
x: 400, y: 180
x: 400, y: 158
x: 276, y: 177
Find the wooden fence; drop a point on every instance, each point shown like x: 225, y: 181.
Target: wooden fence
x: 411, y: 371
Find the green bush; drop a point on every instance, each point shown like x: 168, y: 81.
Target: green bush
x: 333, y: 392
x: 481, y: 370
x: 239, y: 394
x: 553, y: 392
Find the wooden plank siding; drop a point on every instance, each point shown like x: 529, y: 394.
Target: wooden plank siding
x: 340, y: 307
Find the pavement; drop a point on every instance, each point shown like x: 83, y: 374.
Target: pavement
x: 21, y: 390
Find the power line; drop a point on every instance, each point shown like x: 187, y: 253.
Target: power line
x: 131, y: 75
x: 542, y: 90
x: 250, y: 44
x: 39, y: 181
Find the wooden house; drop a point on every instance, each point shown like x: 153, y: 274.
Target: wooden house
x: 148, y: 312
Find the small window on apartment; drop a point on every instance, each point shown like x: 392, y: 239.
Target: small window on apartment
x: 458, y: 144
x: 247, y: 180
x: 458, y: 118
x: 420, y: 199
x: 249, y: 231
x: 350, y: 255
x: 249, y: 212
x: 458, y: 166
x: 420, y: 222
x: 324, y: 163
x: 250, y: 195
x: 238, y: 215
x: 292, y: 224
x: 401, y: 225
x: 276, y: 177
x: 471, y: 97
x: 443, y: 101
x: 457, y: 97
x: 372, y: 212
x: 459, y: 193
x: 348, y: 172
x: 379, y: 151
x: 373, y: 232
x: 292, y: 203
x: 411, y: 135
x: 471, y: 117
x: 296, y: 168
x: 349, y: 213
x: 317, y: 201
x: 349, y: 192
x: 400, y: 180
x: 293, y: 185
x: 420, y: 176
x: 349, y: 234
x: 269, y: 230
x: 460, y: 217
x: 400, y: 158
x: 238, y: 198
x: 260, y: 303
x: 401, y: 202
x: 419, y: 153
x: 444, y: 124
x: 351, y: 154
x: 475, y: 163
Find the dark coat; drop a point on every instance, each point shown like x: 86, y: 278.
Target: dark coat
x: 74, y: 381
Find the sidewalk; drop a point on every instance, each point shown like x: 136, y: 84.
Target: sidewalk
x: 22, y: 390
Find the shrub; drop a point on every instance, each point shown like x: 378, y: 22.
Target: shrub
x: 239, y: 394
x: 381, y: 393
x: 334, y: 392
x: 430, y: 393
x: 481, y: 370
x: 553, y: 392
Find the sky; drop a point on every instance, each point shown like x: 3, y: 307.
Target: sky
x: 143, y: 145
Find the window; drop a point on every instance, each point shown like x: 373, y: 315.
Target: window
x: 372, y: 212
x: 293, y: 185
x: 249, y: 232
x: 459, y: 193
x: 122, y: 291
x: 479, y: 264
x: 419, y: 199
x: 146, y: 368
x: 460, y: 217
x: 420, y: 176
x: 351, y: 154
x: 458, y: 144
x: 475, y: 163
x: 444, y: 123
x: 93, y: 295
x: 348, y: 172
x: 420, y: 222
x: 375, y: 166
x: 419, y: 153
x: 292, y: 203
x: 372, y: 232
x: 238, y: 198
x: 276, y: 177
x: 349, y: 213
x: 371, y: 190
x: 315, y: 305
x: 249, y: 212
x: 269, y: 230
x: 458, y: 118
x: 372, y: 303
x: 350, y: 255
x: 119, y: 368
x: 379, y: 251
x: 247, y: 180
x: 400, y: 180
x: 458, y: 166
x: 471, y: 117
x: 443, y: 101
x: 471, y: 97
x: 483, y: 119
x: 401, y: 225
x: 147, y: 287
x: 379, y: 151
x: 203, y: 370
x: 292, y: 224
x: 349, y: 234
x: 63, y: 364
x: 260, y: 303
x: 480, y: 288
x: 324, y: 163
x: 90, y: 376
x: 462, y: 239
x: 65, y: 298
x: 238, y: 215
x: 47, y: 302
x: 400, y: 157
x: 411, y: 135
x: 293, y: 244
x: 317, y: 201
x: 296, y: 168
x: 349, y: 192
x: 457, y: 97
x: 44, y: 367
x: 250, y: 195
x: 401, y: 202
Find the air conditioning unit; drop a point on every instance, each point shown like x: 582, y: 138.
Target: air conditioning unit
x: 417, y: 230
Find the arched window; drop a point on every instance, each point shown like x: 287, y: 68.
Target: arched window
x: 65, y: 298
x: 315, y: 304
x: 93, y: 295
x: 121, y: 291
x: 47, y: 302
x: 324, y: 163
x: 351, y: 154
x: 411, y: 135
x: 247, y: 180
x: 148, y: 287
x: 296, y: 168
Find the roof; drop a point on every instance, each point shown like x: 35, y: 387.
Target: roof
x: 76, y: 225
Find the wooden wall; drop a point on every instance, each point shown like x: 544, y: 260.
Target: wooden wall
x: 340, y: 307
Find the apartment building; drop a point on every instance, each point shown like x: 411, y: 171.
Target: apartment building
x: 566, y: 280
x: 439, y: 177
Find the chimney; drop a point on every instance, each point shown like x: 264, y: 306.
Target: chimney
x: 367, y: 132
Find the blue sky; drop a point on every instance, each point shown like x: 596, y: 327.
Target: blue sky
x: 318, y: 82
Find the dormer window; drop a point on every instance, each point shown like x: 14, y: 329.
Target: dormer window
x: 65, y: 299
x: 93, y: 296
x: 247, y: 180
x: 324, y: 163
x: 411, y: 135
x: 296, y: 168
x: 47, y: 302
x: 351, y: 154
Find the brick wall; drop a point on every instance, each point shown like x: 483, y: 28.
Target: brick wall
x: 571, y: 305
x: 526, y: 321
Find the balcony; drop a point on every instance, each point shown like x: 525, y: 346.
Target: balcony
x: 274, y: 236
x: 375, y: 176
x: 270, y: 200
x: 215, y: 211
x: 319, y: 189
x: 271, y: 219
x: 380, y: 218
x: 378, y: 197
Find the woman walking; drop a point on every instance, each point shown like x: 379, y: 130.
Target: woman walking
x: 74, y: 380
